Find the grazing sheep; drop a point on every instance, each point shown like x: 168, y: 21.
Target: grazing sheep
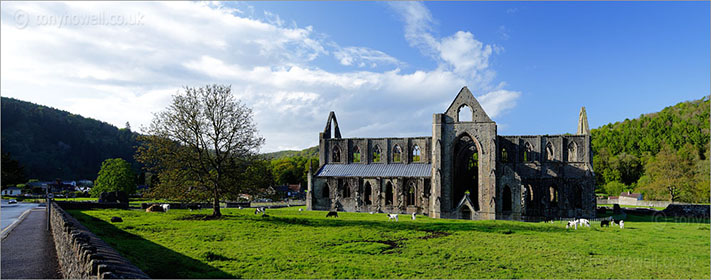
x: 259, y: 210
x: 371, y: 212
x: 165, y: 206
x: 413, y: 216
x: 239, y: 207
x: 604, y: 223
x: 584, y: 222
x: 155, y: 208
x: 392, y: 217
x: 332, y: 214
x: 622, y: 224
x: 301, y: 209
x: 573, y: 223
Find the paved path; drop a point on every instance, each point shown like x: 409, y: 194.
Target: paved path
x: 10, y: 212
x: 28, y: 251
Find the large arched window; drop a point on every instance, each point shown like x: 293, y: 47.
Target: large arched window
x: 346, y: 190
x: 416, y: 153
x: 336, y: 154
x: 572, y: 152
x: 397, y: 154
x: 549, y: 152
x: 376, y: 153
x: 506, y: 197
x: 368, y: 193
x: 411, y: 189
x: 388, y: 194
x: 325, y: 193
x: 553, y: 195
x: 464, y: 114
x: 356, y: 154
x: 527, y: 153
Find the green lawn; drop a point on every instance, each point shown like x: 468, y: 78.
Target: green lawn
x: 292, y: 244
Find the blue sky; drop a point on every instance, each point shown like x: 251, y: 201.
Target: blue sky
x: 383, y: 67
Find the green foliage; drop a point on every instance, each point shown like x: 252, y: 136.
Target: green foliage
x: 12, y: 172
x: 306, y: 245
x: 115, y: 175
x: 52, y: 144
x: 676, y: 176
x: 624, y: 152
x: 292, y: 170
x: 307, y: 153
x: 614, y: 188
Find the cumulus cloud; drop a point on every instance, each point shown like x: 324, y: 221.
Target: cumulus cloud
x: 118, y: 73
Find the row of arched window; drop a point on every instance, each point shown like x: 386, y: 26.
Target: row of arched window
x: 528, y: 155
x: 389, y: 195
x: 377, y: 154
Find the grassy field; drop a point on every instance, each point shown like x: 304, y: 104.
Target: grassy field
x: 293, y: 244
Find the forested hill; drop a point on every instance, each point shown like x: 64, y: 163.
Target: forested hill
x: 50, y: 143
x: 627, y: 154
x: 307, y: 153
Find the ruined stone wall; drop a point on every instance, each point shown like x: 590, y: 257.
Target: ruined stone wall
x: 346, y: 147
x: 82, y: 255
x: 484, y: 135
x: 356, y: 201
x: 542, y: 162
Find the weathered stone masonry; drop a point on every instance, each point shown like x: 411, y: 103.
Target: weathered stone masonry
x: 82, y: 255
x: 465, y: 170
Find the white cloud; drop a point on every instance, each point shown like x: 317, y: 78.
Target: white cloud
x: 362, y: 57
x: 119, y: 73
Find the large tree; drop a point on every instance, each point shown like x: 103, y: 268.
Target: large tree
x: 115, y: 175
x: 12, y: 172
x: 201, y: 146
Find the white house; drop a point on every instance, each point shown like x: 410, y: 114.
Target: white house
x: 628, y: 198
x: 12, y: 191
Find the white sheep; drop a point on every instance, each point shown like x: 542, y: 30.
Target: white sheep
x: 165, y: 206
x: 622, y: 224
x: 392, y: 217
x: 413, y: 216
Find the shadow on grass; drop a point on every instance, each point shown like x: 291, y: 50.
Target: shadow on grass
x: 504, y: 227
x: 436, y: 226
x: 155, y: 260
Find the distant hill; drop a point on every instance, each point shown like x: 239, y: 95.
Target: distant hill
x: 307, y: 153
x: 50, y: 143
x: 685, y: 122
x: 623, y: 151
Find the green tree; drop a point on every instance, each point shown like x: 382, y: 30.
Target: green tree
x: 201, y: 146
x: 115, y: 175
x: 12, y: 172
x: 670, y: 174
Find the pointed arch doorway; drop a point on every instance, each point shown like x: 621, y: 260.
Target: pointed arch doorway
x: 466, y: 171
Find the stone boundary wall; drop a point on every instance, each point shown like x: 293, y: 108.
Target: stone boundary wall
x: 82, y: 255
x: 641, y: 203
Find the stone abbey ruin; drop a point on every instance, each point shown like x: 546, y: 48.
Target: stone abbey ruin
x: 465, y: 170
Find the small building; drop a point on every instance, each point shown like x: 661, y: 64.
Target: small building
x: 12, y: 191
x: 629, y: 198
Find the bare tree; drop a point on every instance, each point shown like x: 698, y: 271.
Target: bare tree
x: 201, y: 146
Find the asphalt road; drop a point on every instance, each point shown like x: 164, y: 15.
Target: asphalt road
x: 10, y: 212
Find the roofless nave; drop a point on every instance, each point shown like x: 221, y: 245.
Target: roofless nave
x: 465, y: 170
